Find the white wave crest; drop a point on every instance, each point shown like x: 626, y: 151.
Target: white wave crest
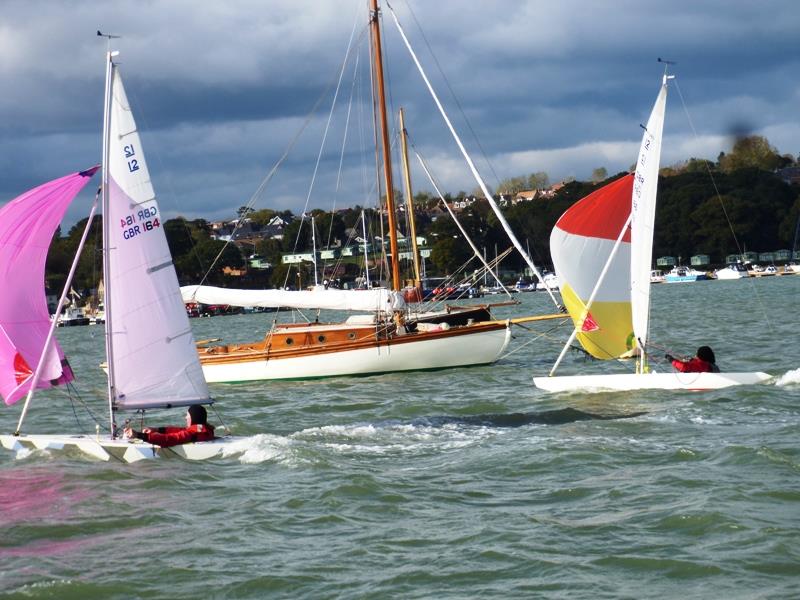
x: 259, y: 448
x: 789, y: 378
x: 391, y: 437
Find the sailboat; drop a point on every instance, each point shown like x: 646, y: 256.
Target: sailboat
x: 602, y: 250
x: 150, y: 349
x: 382, y: 341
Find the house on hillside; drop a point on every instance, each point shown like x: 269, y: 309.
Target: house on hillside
x: 790, y: 175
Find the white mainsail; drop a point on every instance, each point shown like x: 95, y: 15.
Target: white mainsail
x: 376, y: 299
x: 643, y: 214
x: 153, y: 359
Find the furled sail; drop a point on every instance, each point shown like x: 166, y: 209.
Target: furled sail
x: 580, y: 244
x: 643, y: 215
x: 27, y: 225
x: 379, y: 299
x: 153, y: 355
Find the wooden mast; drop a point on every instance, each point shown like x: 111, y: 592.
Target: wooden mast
x: 377, y: 59
x: 409, y: 200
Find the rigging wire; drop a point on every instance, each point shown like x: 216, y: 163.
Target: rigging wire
x: 264, y: 182
x: 764, y: 309
x: 452, y: 93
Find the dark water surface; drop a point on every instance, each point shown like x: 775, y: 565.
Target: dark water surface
x: 465, y: 483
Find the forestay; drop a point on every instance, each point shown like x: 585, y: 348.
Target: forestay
x: 27, y: 225
x: 378, y: 299
x: 153, y: 356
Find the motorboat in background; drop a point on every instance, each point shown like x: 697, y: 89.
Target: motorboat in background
x: 685, y: 274
x: 732, y: 271
x: 72, y: 317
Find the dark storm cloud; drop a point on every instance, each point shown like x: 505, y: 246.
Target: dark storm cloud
x: 221, y: 89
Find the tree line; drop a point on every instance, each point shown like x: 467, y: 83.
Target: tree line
x: 738, y: 202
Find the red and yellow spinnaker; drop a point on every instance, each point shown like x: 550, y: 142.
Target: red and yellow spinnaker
x: 580, y: 244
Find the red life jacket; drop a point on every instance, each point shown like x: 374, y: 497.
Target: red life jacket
x: 175, y: 436
x: 695, y: 365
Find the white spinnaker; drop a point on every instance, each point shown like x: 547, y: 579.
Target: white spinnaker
x: 154, y: 357
x: 643, y: 213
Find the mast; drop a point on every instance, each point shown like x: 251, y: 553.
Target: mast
x: 366, y: 254
x: 470, y: 163
x: 314, y: 250
x: 377, y: 59
x: 409, y: 199
x: 106, y: 236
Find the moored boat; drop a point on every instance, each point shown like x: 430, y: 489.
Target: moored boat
x: 682, y: 274
x: 732, y: 271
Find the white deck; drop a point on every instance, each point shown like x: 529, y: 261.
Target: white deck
x: 648, y: 381
x: 104, y: 448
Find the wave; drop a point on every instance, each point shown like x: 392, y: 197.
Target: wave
x: 789, y: 378
x: 394, y: 436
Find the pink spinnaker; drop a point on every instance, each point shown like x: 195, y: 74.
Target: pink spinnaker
x: 27, y: 225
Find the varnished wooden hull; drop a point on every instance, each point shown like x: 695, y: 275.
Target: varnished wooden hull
x: 340, y: 350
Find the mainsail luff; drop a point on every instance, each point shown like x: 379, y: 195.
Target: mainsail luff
x: 106, y: 235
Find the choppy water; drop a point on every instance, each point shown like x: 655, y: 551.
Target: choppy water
x: 464, y: 483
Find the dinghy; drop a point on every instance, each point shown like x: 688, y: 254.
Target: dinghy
x: 150, y: 350
x: 602, y: 249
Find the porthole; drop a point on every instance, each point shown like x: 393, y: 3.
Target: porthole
x: 351, y: 335
x: 289, y: 341
x: 321, y: 339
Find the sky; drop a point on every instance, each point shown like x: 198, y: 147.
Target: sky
x: 220, y: 90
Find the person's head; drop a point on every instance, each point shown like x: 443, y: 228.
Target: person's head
x: 196, y: 415
x: 707, y: 354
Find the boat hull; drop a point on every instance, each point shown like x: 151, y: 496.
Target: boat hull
x: 456, y: 347
x: 128, y: 451
x: 648, y: 381
x: 684, y: 278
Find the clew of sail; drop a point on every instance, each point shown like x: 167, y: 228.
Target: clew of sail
x: 27, y: 225
x: 643, y: 215
x: 153, y: 360
x: 581, y: 244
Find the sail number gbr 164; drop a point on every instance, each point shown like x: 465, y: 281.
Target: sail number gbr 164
x: 139, y: 222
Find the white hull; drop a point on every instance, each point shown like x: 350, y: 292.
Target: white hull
x: 103, y: 448
x: 648, y: 381
x: 442, y: 352
x: 732, y: 273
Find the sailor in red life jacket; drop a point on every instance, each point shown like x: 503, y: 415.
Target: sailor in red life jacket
x: 704, y: 362
x: 196, y: 430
